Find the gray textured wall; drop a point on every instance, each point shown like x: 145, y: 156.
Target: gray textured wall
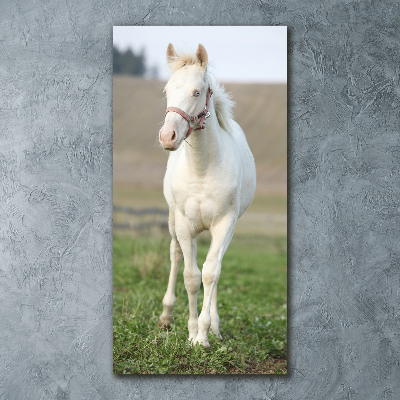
x: 56, y: 199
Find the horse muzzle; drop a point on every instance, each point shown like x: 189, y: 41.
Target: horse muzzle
x: 169, y: 138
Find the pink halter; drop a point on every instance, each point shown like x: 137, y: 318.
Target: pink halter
x: 201, y: 116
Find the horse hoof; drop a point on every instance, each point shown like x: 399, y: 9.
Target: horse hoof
x: 202, y: 341
x: 206, y: 345
x: 166, y: 322
x: 163, y: 325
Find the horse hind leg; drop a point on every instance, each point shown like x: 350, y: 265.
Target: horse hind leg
x: 167, y: 318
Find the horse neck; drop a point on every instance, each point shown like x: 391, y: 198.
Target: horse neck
x: 204, y: 149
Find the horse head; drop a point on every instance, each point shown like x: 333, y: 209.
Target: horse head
x: 187, y: 93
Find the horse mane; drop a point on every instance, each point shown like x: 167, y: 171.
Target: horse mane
x: 223, y: 102
x: 223, y: 105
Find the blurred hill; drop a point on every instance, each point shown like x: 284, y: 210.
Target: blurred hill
x: 138, y: 113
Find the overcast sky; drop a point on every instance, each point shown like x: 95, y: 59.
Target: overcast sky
x: 237, y: 53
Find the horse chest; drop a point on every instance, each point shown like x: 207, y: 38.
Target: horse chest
x: 202, y: 204
x: 200, y: 212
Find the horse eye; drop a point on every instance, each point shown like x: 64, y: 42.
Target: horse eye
x: 196, y: 94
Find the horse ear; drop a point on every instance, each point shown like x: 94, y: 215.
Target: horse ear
x: 171, y: 53
x: 201, y: 56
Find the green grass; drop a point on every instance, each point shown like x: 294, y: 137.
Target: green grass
x: 251, y: 304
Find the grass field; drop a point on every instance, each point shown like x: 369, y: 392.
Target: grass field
x: 251, y: 301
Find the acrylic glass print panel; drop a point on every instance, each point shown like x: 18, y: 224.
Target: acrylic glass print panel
x: 200, y: 256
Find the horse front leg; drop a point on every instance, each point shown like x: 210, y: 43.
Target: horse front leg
x: 167, y: 318
x: 191, y: 273
x: 214, y: 315
x: 221, y: 234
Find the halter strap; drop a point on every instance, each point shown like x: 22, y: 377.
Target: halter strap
x: 199, y: 117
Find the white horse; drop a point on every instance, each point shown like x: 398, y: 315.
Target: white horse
x: 209, y: 183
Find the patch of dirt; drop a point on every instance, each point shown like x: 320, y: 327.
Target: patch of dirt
x: 268, y: 367
x: 119, y: 289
